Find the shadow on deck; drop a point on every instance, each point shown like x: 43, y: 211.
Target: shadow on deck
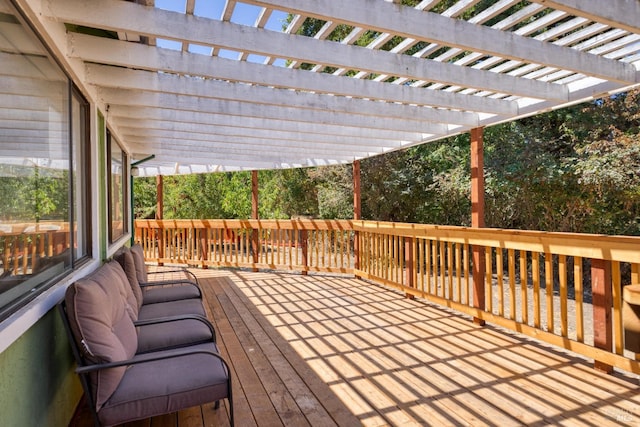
x: 324, y: 350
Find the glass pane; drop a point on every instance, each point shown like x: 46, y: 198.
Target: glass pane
x: 80, y: 176
x: 117, y: 190
x: 34, y: 163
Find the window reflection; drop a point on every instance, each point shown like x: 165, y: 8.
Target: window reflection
x: 117, y: 189
x: 42, y: 207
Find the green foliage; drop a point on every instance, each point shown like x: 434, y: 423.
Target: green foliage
x: 575, y: 170
x: 33, y: 194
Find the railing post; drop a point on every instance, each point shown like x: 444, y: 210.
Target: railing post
x: 357, y: 213
x: 409, y: 265
x: 160, y: 216
x: 255, y: 215
x: 602, y: 300
x: 204, y: 245
x: 304, y: 237
x: 477, y: 219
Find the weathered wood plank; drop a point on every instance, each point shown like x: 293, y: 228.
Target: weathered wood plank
x: 328, y: 350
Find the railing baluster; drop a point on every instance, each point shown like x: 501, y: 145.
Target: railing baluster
x: 524, y: 287
x: 500, y: 276
x: 577, y: 283
x: 548, y: 280
x: 562, y: 276
x: 511, y: 259
x: 488, y: 255
x: 616, y: 294
x: 535, y: 277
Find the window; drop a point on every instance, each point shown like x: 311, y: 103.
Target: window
x: 44, y: 171
x: 118, y: 206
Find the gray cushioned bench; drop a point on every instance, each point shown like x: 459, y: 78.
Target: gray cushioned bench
x: 130, y: 374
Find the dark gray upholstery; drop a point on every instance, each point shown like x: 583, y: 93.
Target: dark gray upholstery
x: 167, y: 385
x: 129, y: 375
x: 101, y: 321
x: 154, y: 294
x: 132, y: 262
x: 166, y: 334
x: 171, y: 308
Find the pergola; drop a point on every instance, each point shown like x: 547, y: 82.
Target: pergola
x: 227, y: 85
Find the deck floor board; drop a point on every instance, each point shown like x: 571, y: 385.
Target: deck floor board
x: 324, y: 350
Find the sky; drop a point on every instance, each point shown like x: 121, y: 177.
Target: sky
x: 242, y: 14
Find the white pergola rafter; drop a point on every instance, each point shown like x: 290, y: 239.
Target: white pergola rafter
x: 397, y: 77
x: 116, y: 14
x: 408, y: 22
x: 248, y: 109
x: 117, y: 77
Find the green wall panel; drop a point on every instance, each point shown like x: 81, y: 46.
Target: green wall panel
x: 38, y: 386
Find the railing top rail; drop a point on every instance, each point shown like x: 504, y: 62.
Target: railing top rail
x: 283, y: 224
x: 598, y: 246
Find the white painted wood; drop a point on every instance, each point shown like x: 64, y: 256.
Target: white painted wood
x: 407, y: 22
x: 125, y: 16
x: 140, y: 127
x: 14, y: 39
x: 174, y: 117
x: 522, y: 65
x: 117, y: 77
x: 623, y: 14
x: 124, y: 54
x: 158, y: 139
x: 237, y: 108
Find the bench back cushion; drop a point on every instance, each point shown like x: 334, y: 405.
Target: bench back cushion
x: 101, y: 321
x: 141, y: 268
x: 125, y: 259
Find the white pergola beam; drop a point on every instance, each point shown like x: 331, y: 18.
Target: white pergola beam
x: 125, y: 16
x: 176, y: 117
x: 615, y: 13
x: 137, y: 127
x: 408, y: 22
x: 123, y: 54
x: 247, y: 109
x: 165, y: 140
x: 117, y: 77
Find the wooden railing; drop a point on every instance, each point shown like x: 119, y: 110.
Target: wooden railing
x: 301, y: 245
x: 562, y: 288
x: 24, y: 245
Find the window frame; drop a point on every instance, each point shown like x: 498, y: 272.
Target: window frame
x: 123, y: 214
x: 20, y: 297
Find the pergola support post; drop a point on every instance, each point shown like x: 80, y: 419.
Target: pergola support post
x: 357, y: 213
x: 160, y: 216
x: 409, y: 265
x: 254, y: 215
x: 477, y: 219
x: 602, y: 301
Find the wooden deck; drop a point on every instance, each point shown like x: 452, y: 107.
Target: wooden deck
x: 325, y: 350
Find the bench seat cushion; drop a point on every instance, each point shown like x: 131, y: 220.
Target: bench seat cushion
x: 155, y: 294
x: 165, y: 386
x: 172, y: 334
x: 171, y: 308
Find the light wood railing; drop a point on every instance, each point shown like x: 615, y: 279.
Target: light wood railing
x: 302, y: 245
x: 536, y: 283
x: 24, y: 245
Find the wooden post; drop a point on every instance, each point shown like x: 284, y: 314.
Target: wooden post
x: 409, y: 265
x: 357, y: 213
x: 304, y: 237
x: 601, y: 291
x: 477, y: 218
x: 160, y: 215
x: 254, y: 215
